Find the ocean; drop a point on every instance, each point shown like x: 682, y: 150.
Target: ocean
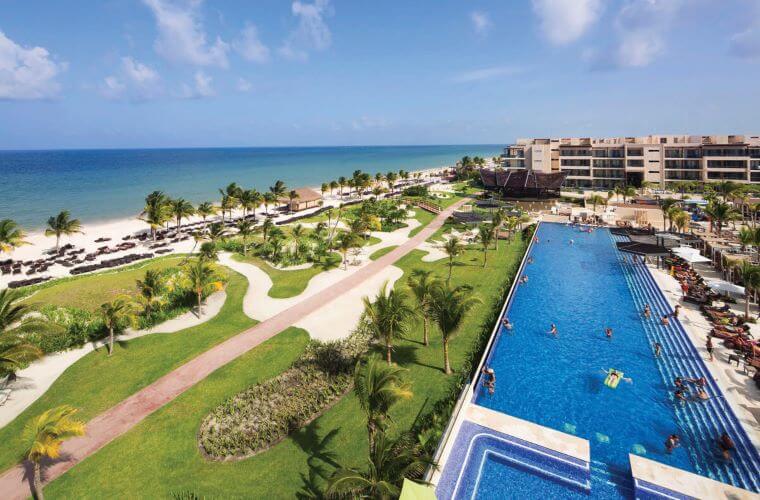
x: 103, y: 185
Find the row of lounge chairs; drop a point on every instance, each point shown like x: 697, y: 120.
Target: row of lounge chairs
x: 127, y: 259
x: 29, y: 282
x: 693, y: 285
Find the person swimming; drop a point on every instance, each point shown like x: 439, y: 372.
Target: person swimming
x: 553, y: 330
x: 701, y: 395
x: 672, y: 443
x: 679, y: 394
x: 608, y: 332
x: 615, y: 374
x: 530, y: 260
x: 725, y: 445
x: 657, y: 349
x: 489, y: 381
x: 506, y: 323
x: 647, y: 311
x: 665, y: 321
x: 571, y: 242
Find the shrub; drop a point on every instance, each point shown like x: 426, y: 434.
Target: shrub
x: 264, y: 414
x: 416, y: 191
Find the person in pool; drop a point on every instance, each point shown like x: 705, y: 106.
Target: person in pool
x: 614, y: 375
x: 701, y: 395
x: 725, y: 445
x: 608, y: 332
x: 571, y: 242
x: 657, y: 349
x: 530, y: 260
x: 489, y: 381
x: 506, y: 323
x: 553, y: 330
x: 665, y: 321
x: 647, y: 311
x: 672, y: 443
x: 680, y: 396
x: 677, y: 311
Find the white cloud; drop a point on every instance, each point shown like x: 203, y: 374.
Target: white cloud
x: 27, y: 72
x: 250, y: 47
x: 200, y: 88
x: 366, y: 122
x: 182, y: 37
x: 244, y: 85
x: 481, y: 22
x: 564, y: 21
x: 641, y: 27
x: 312, y: 33
x: 135, y: 81
x: 487, y: 74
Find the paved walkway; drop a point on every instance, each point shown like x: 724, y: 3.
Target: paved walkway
x: 114, y: 422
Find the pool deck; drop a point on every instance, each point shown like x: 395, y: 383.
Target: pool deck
x: 739, y: 390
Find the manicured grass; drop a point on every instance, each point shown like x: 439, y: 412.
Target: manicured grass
x: 89, y: 291
x: 424, y: 217
x: 379, y: 253
x: 286, y: 284
x: 160, y: 456
x: 97, y: 382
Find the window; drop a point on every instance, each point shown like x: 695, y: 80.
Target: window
x: 635, y: 152
x: 726, y: 164
x: 663, y: 140
x: 635, y: 163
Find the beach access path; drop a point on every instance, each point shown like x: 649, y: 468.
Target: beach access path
x: 101, y: 430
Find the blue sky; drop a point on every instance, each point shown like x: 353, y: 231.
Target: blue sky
x: 166, y: 73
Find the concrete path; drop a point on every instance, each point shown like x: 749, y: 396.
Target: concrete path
x: 119, y: 419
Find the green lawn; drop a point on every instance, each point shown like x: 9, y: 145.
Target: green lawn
x: 89, y: 291
x: 286, y: 284
x: 424, y: 217
x: 160, y: 456
x: 97, y: 382
x: 379, y: 253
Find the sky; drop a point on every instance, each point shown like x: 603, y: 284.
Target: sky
x: 198, y: 73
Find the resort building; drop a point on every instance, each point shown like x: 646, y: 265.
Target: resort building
x: 606, y: 162
x: 306, y: 198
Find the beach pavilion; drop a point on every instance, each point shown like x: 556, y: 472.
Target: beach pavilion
x: 307, y: 198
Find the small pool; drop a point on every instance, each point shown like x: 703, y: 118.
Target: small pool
x: 558, y: 381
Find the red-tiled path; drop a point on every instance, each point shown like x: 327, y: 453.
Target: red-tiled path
x: 114, y: 422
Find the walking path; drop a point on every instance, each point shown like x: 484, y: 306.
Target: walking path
x: 34, y: 380
x: 116, y: 421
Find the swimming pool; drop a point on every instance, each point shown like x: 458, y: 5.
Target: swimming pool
x: 559, y: 382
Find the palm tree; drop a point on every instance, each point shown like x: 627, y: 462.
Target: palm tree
x: 151, y: 287
x: 203, y: 278
x: 665, y: 205
x: 486, y: 236
x: 341, y: 184
x: 208, y: 252
x: 245, y: 230
x: 680, y: 219
x: 156, y: 211
x: 297, y: 232
x: 497, y: 220
x: 422, y: 283
x: 11, y: 236
x: 217, y: 232
x: 750, y: 275
x: 269, y: 199
x: 347, y: 241
x: 115, y: 314
x: 252, y: 200
x: 628, y: 192
x: 206, y: 209
x: 278, y: 190
x: 62, y: 224
x: 726, y: 188
x: 266, y: 227
x: 453, y: 247
x: 333, y: 186
x: 389, y: 463
x: 391, y: 177
x: 15, y: 324
x: 180, y: 209
x: 325, y: 188
x: 719, y: 212
x: 449, y: 307
x: 44, y: 434
x: 378, y: 387
x: 388, y: 316
x: 292, y: 196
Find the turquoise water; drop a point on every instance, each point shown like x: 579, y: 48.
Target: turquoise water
x: 558, y: 381
x: 97, y: 185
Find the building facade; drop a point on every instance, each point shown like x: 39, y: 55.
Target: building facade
x: 659, y: 159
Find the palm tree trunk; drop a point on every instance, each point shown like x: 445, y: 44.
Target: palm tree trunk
x: 485, y: 255
x: 388, y: 348
x: 451, y: 263
x: 37, y: 483
x: 425, y: 330
x: 57, y: 242
x: 110, y: 340
x: 200, y: 311
x: 746, y: 302
x: 446, y: 364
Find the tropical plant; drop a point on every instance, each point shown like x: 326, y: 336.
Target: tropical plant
x: 115, y: 315
x: 453, y: 248
x: 208, y: 251
x: 346, y: 241
x: 750, y: 276
x: 269, y: 199
x: 719, y: 212
x: 388, y: 316
x: 497, y: 219
x: 278, y: 190
x: 378, y: 387
x: 250, y: 200
x: 44, y: 434
x: 628, y: 192
x: 205, y: 210
x: 217, y: 232
x: 11, y: 236
x: 266, y: 227
x: 449, y: 308
x: 156, y: 211
x: 595, y: 200
x: 333, y: 186
x: 203, y: 279
x: 181, y: 209
x: 292, y: 196
x: 150, y: 289
x: 245, y: 230
x: 325, y: 188
x: 422, y: 283
x: 679, y: 218
x: 486, y: 233
x: 15, y: 325
x: 297, y: 232
x: 62, y: 224
x: 665, y: 205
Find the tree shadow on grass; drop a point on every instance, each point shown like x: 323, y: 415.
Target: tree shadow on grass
x: 321, y: 459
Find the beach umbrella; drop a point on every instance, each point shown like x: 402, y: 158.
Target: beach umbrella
x: 725, y: 287
x: 693, y: 257
x: 684, y: 250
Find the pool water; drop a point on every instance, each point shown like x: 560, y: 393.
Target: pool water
x: 559, y: 381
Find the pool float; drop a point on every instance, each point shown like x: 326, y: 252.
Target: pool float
x: 612, y: 382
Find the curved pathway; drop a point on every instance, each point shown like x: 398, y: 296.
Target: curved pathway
x: 119, y: 419
x: 34, y: 380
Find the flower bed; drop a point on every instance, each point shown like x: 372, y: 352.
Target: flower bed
x: 264, y: 414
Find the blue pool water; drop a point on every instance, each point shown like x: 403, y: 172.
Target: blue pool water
x: 558, y: 381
